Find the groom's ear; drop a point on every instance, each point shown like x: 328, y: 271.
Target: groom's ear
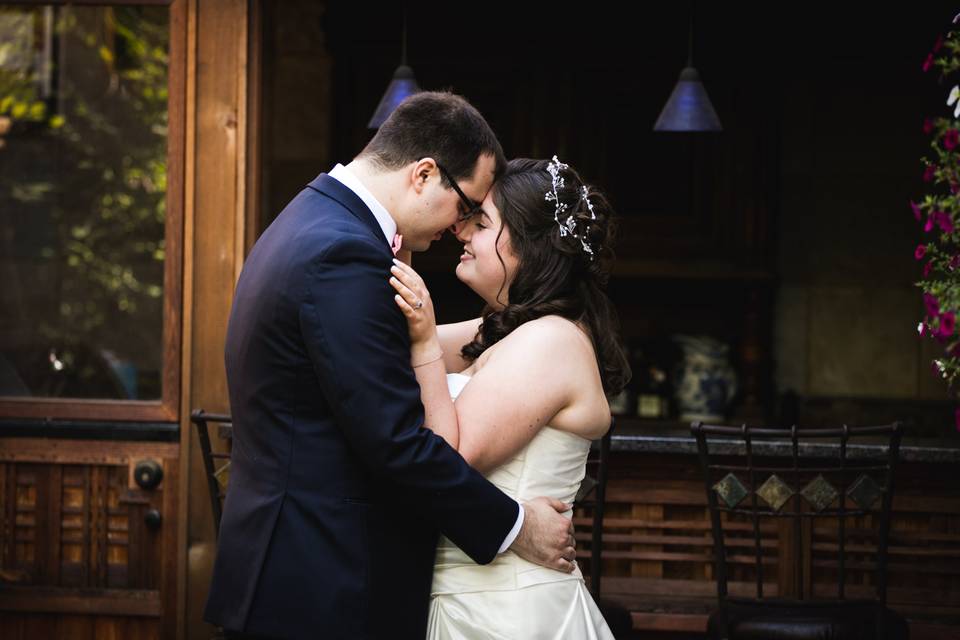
x: 421, y: 172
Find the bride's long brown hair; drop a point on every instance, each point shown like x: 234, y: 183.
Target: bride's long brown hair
x: 555, y: 275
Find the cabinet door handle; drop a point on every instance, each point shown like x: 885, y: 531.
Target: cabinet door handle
x: 153, y: 519
x: 148, y: 474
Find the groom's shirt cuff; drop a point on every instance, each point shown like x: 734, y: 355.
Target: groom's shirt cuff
x: 513, y: 532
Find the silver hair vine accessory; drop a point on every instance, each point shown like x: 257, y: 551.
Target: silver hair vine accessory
x: 569, y: 225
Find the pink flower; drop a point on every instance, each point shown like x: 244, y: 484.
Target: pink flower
x: 928, y: 173
x: 940, y: 219
x: 950, y: 139
x: 930, y: 302
x: 920, y: 252
x: 944, y: 221
x: 947, y: 324
x: 928, y: 62
x: 926, y: 269
x: 927, y: 126
x: 916, y: 210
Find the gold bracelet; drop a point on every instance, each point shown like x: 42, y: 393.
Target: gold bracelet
x: 428, y: 361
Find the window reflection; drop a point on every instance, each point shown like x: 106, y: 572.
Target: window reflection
x: 83, y: 174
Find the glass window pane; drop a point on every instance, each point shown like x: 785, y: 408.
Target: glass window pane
x: 83, y: 174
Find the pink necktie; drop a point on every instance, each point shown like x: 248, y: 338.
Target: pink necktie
x: 397, y: 241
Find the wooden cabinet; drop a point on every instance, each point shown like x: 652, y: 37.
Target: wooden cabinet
x: 86, y: 552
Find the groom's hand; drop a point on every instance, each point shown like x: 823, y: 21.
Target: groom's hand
x: 546, y: 537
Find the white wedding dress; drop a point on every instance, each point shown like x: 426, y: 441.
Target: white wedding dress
x: 510, y: 598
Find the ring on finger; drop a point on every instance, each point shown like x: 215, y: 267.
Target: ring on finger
x: 419, y: 304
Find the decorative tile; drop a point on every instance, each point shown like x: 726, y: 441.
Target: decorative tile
x: 775, y: 492
x: 819, y: 493
x: 865, y: 491
x: 731, y: 490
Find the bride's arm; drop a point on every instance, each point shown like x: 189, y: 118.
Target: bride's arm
x: 519, y: 390
x: 426, y: 353
x: 439, y: 414
x: 452, y: 338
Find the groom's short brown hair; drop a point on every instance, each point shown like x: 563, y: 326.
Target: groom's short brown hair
x: 440, y: 125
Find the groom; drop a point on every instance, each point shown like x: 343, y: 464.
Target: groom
x: 337, y: 492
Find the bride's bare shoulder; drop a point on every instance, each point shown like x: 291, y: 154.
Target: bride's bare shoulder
x: 553, y: 327
x: 553, y: 336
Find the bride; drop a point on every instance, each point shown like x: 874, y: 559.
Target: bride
x: 522, y: 390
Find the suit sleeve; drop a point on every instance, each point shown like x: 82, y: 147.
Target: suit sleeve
x: 358, y: 342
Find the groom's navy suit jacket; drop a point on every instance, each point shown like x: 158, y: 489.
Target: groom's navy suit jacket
x: 336, y: 492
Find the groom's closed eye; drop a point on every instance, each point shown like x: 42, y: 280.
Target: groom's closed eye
x: 466, y: 216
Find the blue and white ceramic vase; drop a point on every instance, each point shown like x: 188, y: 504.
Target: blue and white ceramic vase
x: 704, y: 380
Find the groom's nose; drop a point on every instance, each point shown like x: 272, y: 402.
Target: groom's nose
x: 458, y: 229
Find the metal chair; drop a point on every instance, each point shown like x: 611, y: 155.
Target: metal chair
x: 217, y: 465
x: 808, y: 505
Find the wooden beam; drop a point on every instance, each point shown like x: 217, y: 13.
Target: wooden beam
x: 669, y: 621
x: 85, y: 602
x: 215, y: 236
x: 106, y: 452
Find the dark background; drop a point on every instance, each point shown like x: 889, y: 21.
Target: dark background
x: 788, y: 235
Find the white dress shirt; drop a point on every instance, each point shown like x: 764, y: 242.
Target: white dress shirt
x: 389, y: 227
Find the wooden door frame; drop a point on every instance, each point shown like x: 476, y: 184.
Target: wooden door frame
x: 222, y: 168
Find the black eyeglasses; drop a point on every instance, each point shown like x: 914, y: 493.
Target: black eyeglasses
x: 473, y: 208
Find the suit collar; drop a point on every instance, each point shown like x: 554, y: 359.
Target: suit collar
x: 338, y: 191
x: 352, y: 182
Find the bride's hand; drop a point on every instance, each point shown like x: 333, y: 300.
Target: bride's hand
x: 414, y: 300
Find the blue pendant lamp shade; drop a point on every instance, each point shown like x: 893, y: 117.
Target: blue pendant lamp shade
x: 402, y: 86
x: 689, y: 108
